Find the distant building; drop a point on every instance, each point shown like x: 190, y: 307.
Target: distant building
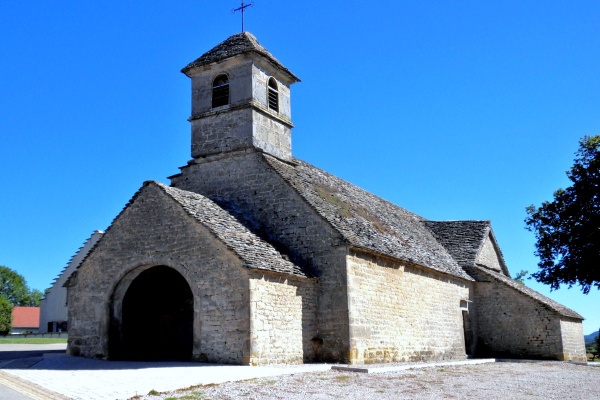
x: 25, y: 320
x: 53, y: 315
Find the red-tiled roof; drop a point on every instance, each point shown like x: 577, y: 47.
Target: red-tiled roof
x: 26, y: 317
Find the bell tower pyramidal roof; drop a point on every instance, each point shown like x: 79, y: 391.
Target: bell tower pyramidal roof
x: 241, y: 101
x: 240, y: 43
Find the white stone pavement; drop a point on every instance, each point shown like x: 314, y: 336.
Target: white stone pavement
x: 81, y: 378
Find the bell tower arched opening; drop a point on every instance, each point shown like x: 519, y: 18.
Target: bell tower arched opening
x: 157, y: 317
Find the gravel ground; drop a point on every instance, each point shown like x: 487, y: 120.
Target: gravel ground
x: 503, y: 380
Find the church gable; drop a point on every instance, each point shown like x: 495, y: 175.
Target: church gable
x: 490, y: 257
x: 251, y: 249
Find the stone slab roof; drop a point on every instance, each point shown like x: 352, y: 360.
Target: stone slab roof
x: 485, y: 275
x: 237, y: 44
x: 464, y: 240
x: 251, y: 249
x: 365, y: 220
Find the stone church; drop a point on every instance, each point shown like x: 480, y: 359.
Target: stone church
x: 252, y: 256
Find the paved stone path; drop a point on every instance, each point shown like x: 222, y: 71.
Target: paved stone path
x: 80, y: 378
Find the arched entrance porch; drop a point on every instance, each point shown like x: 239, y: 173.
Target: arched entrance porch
x: 156, y: 321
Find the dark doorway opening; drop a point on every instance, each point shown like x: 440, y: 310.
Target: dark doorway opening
x: 468, y: 332
x: 157, y: 319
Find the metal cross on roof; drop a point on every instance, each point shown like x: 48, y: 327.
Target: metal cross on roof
x: 242, y: 8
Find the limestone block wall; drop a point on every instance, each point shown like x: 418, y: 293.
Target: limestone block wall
x: 222, y: 132
x: 240, y: 84
x: 284, y: 319
x: 246, y: 120
x: 247, y: 183
x: 573, y: 343
x: 511, y: 324
x: 260, y: 79
x: 403, y: 313
x: 153, y: 231
x: 271, y: 135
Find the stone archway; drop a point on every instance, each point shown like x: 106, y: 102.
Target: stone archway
x: 157, y: 316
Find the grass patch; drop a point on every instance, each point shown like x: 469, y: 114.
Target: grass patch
x: 32, y: 340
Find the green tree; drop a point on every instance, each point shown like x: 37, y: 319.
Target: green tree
x: 5, y: 315
x: 520, y: 276
x: 598, y: 342
x: 567, y: 229
x: 14, y: 288
x: 34, y: 298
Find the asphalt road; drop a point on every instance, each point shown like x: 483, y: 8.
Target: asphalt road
x: 7, y: 393
x: 19, y: 352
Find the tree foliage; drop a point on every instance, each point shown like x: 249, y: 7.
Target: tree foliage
x: 14, y: 288
x: 34, y: 298
x: 520, y: 276
x: 5, y: 315
x: 567, y: 229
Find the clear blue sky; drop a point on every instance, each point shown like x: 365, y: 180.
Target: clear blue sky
x: 453, y: 110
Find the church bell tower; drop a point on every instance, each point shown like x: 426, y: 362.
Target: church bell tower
x: 240, y: 100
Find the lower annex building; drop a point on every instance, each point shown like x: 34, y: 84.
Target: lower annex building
x: 252, y: 256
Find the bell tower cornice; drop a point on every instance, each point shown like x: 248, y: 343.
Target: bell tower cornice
x: 251, y: 104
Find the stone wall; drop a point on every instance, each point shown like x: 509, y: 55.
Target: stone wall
x: 153, y: 230
x: 284, y: 319
x: 403, y: 313
x: 247, y: 120
x: 572, y: 340
x: 246, y: 183
x: 511, y: 324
